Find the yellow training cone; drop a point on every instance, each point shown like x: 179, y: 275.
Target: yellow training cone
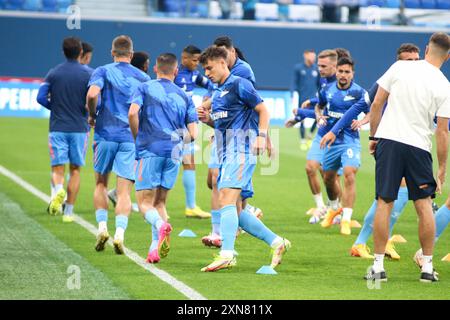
x: 446, y: 258
x: 355, y: 224
x: 398, y: 238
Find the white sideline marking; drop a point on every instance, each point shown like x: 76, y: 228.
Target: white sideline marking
x: 164, y: 276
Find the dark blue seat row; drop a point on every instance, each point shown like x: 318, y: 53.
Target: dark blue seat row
x: 423, y: 4
x: 36, y: 5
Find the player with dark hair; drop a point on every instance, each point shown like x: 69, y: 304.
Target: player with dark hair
x: 86, y: 57
x: 406, y: 52
x: 335, y: 100
x: 141, y: 60
x: 188, y: 78
x: 63, y: 93
x: 114, y: 148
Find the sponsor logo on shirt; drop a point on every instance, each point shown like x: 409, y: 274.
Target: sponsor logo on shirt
x: 349, y: 98
x: 219, y: 115
x: 223, y: 93
x: 334, y: 114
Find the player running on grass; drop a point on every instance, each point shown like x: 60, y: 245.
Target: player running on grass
x: 63, y: 93
x: 159, y: 115
x: 241, y: 121
x: 188, y: 78
x: 113, y: 146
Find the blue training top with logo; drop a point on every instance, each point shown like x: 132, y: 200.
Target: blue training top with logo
x: 117, y: 81
x: 233, y: 105
x: 336, y: 102
x: 165, y: 112
x: 323, y: 82
x: 188, y: 79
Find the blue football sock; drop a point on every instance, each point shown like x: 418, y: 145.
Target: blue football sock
x: 154, y: 243
x: 152, y: 216
x: 399, y: 205
x: 442, y: 218
x: 228, y: 226
x: 367, y: 227
x: 215, y: 221
x: 121, y: 221
x: 189, y: 187
x: 101, y: 215
x: 255, y: 227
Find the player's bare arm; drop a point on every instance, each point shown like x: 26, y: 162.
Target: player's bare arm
x: 133, y: 119
x: 375, y: 115
x: 442, y: 150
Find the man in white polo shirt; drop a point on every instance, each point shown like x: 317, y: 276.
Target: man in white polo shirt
x: 417, y: 92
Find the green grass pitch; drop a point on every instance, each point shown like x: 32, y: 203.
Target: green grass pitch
x: 317, y: 267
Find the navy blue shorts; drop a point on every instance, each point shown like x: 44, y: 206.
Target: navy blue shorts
x: 395, y: 160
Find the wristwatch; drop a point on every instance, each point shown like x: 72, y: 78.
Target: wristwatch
x: 373, y: 138
x: 262, y: 134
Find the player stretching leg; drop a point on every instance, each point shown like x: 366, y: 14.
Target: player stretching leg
x: 237, y: 110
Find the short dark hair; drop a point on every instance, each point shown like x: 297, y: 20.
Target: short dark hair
x: 342, y: 52
x: 166, y: 63
x: 309, y: 51
x: 87, y: 47
x: 213, y: 53
x: 139, y: 59
x: 407, y: 47
x: 190, y: 49
x: 441, y: 40
x: 122, y: 46
x: 224, y: 41
x: 72, y: 47
x: 346, y: 60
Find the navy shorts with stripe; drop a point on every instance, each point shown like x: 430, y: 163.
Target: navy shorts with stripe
x: 395, y: 160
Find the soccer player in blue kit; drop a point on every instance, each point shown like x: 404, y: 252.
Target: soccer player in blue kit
x: 162, y: 116
x: 238, y: 67
x: 188, y: 78
x: 336, y: 98
x: 63, y: 93
x: 410, y: 52
x: 241, y: 121
x: 114, y: 148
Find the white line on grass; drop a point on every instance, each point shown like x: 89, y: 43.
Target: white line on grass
x: 164, y: 276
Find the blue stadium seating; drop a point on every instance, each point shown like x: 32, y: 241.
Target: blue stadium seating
x: 32, y: 5
x: 378, y: 3
x: 14, y: 4
x: 443, y: 4
x: 427, y: 4
x: 49, y: 5
x: 266, y: 1
x: 310, y: 2
x: 63, y: 5
x: 393, y: 3
x: 413, y: 4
